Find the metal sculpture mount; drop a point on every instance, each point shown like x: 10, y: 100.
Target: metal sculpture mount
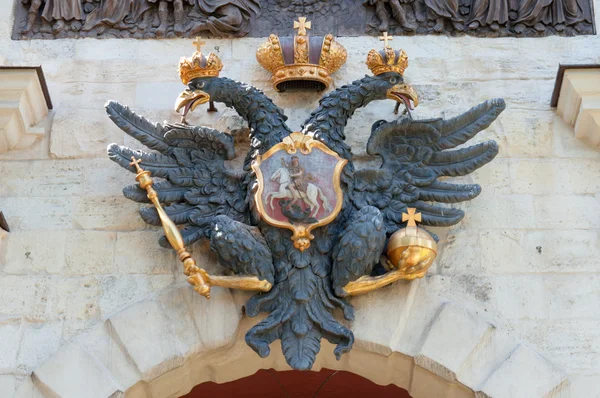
x: 299, y: 224
x: 50, y: 19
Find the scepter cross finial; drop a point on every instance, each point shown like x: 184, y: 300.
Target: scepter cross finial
x: 302, y: 24
x: 385, y: 38
x: 136, y: 162
x: 198, y: 43
x: 411, y: 217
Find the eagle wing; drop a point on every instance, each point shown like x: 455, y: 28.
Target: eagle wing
x: 195, y: 185
x: 415, y: 155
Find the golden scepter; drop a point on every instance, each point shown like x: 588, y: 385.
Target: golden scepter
x: 195, y: 275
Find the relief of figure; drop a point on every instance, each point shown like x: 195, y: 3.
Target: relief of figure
x: 445, y: 9
x: 227, y: 17
x: 397, y: 11
x: 492, y: 13
x: 163, y: 15
x: 120, y: 14
x: 63, y: 11
x: 556, y: 13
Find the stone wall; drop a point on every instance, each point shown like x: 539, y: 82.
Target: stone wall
x: 526, y: 257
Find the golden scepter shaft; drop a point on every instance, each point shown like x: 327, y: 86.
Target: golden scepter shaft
x: 194, y: 273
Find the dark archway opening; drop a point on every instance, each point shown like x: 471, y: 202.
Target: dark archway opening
x: 296, y: 384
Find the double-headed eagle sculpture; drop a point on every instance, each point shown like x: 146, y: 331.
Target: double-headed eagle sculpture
x: 302, y: 267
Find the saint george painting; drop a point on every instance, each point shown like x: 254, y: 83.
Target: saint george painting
x: 299, y: 186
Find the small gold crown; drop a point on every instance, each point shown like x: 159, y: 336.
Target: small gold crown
x: 198, y: 65
x: 301, y: 61
x: 388, y: 59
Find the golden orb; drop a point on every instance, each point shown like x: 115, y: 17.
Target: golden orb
x: 412, y: 250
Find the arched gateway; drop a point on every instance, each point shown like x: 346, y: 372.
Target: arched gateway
x: 407, y: 335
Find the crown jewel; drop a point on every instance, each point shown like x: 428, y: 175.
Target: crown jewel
x: 198, y: 65
x: 388, y: 59
x: 301, y: 61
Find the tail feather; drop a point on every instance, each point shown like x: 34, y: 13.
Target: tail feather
x: 300, y: 317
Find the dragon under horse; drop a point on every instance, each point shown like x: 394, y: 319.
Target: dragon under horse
x: 212, y: 202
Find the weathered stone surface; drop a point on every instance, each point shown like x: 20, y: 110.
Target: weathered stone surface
x: 94, y: 380
x: 110, y: 213
x: 120, y: 291
x: 131, y: 246
x: 552, y: 211
x: 38, y: 213
x: 105, y: 347
x: 540, y: 251
x: 519, y: 368
x: 453, y: 335
x: 81, y: 133
x: 39, y: 342
x: 10, y: 335
x: 32, y: 252
x: 90, y: 253
x: 492, y: 211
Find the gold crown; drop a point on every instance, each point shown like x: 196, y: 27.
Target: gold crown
x: 198, y: 65
x: 388, y: 59
x: 301, y: 61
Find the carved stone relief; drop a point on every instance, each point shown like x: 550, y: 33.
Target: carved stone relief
x: 50, y: 19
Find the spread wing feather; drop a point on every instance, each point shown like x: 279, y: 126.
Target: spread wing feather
x: 190, y: 160
x: 415, y: 154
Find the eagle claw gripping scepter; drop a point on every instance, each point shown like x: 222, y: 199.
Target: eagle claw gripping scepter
x: 197, y: 277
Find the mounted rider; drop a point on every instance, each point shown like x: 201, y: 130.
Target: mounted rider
x: 300, y: 179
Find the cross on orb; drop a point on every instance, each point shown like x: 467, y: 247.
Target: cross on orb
x: 385, y: 38
x: 411, y: 217
x: 302, y: 24
x: 198, y: 43
x: 136, y: 162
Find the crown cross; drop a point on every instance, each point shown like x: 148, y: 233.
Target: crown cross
x: 302, y: 24
x: 198, y: 43
x: 136, y: 162
x: 385, y: 38
x: 411, y: 217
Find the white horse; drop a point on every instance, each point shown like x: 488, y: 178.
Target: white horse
x: 313, y: 192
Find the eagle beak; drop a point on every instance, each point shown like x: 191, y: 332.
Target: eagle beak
x: 404, y: 93
x: 189, y: 100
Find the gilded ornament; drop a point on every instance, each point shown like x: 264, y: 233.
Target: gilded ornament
x: 314, y: 58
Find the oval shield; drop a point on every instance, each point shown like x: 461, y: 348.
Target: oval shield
x: 299, y: 186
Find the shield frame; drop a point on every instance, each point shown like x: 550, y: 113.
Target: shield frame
x: 304, y: 143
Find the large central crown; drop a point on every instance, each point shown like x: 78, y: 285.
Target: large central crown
x: 302, y: 61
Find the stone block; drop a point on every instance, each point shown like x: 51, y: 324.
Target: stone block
x: 90, y: 253
x: 573, y: 296
x: 393, y: 304
x: 8, y: 385
x: 424, y: 308
x: 459, y: 253
x: 121, y: 291
x: 86, y: 376
x: 35, y: 252
x: 38, y: 213
x: 545, y: 176
x: 526, y: 133
x: 453, y: 335
x: 82, y: 133
x: 74, y: 298
x: 107, y: 213
x: 519, y: 297
x: 157, y: 95
x: 513, y: 378
x: 104, y: 346
x: 10, y: 336
x: 41, y: 178
x: 540, y: 251
x: 491, y: 211
x: 90, y: 95
x: 492, y: 350
x: 567, y: 145
x: 40, y: 341
x: 567, y: 211
x: 139, y: 253
x: 181, y: 321
x: 24, y: 296
x: 146, y: 325
x: 27, y: 389
x: 216, y: 319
